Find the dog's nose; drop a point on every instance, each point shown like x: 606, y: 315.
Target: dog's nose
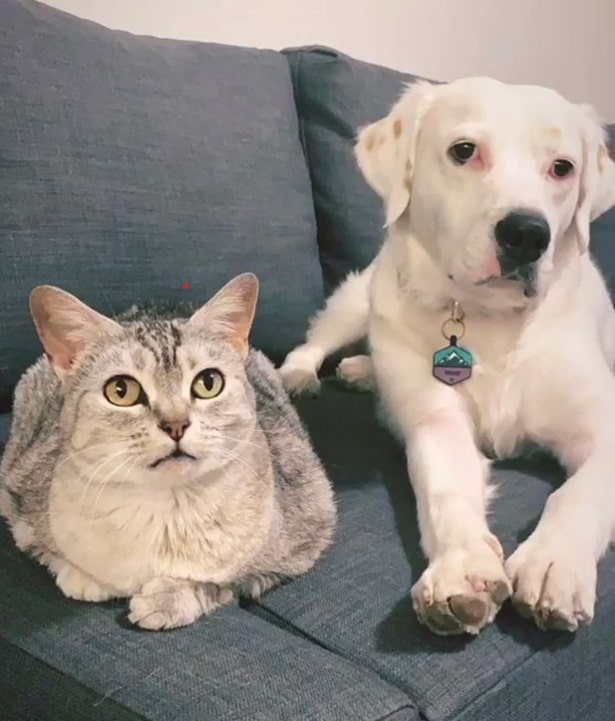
x: 523, y: 236
x: 175, y: 429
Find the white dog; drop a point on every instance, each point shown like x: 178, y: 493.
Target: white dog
x: 488, y: 190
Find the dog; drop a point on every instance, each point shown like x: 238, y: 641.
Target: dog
x: 488, y: 326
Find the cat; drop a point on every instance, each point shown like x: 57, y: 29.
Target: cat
x: 161, y: 460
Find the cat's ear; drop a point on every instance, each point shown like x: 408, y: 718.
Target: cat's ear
x: 66, y: 326
x: 230, y: 312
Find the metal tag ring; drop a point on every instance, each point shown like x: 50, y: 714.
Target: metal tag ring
x: 459, y: 329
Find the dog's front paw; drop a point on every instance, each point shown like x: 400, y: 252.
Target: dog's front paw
x: 462, y: 590
x: 554, y: 582
x: 165, y: 603
x: 80, y: 586
x: 357, y: 372
x: 300, y: 381
x: 299, y: 373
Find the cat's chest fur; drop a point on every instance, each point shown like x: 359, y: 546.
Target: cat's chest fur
x: 128, y: 535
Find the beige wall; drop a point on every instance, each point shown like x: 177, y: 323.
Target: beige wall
x: 568, y: 44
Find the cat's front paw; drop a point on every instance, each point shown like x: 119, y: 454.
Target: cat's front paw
x: 165, y: 603
x: 80, y: 586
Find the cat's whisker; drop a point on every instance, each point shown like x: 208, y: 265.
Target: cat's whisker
x: 238, y: 441
x: 226, y: 455
x: 74, y: 454
x: 96, y: 470
x: 103, y: 484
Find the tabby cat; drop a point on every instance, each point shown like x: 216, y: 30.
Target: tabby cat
x: 161, y: 460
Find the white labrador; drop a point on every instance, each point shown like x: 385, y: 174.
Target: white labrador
x: 488, y: 190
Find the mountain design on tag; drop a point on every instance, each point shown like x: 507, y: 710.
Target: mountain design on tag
x: 454, y: 359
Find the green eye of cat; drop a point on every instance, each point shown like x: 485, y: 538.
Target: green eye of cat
x: 208, y: 384
x: 123, y: 391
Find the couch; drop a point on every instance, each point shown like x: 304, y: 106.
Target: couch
x: 134, y: 168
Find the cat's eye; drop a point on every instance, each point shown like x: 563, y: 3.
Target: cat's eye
x: 124, y: 391
x: 208, y: 384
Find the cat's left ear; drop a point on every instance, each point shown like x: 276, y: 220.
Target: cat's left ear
x: 66, y: 326
x: 230, y: 312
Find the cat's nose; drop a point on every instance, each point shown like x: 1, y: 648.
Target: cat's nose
x: 175, y: 429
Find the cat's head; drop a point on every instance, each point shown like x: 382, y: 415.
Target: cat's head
x: 160, y: 401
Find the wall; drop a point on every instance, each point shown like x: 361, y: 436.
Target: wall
x: 567, y: 44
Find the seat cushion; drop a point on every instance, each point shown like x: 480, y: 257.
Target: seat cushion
x: 335, y: 96
x: 133, y: 165
x: 365, y: 612
x: 232, y: 665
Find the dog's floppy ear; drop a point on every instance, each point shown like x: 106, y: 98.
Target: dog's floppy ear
x: 385, y: 150
x: 597, y: 182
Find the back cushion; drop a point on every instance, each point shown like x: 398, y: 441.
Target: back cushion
x: 335, y: 96
x: 131, y: 166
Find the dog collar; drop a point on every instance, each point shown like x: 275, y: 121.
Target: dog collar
x: 453, y: 364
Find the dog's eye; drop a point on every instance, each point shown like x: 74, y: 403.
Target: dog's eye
x: 561, y: 168
x: 462, y: 152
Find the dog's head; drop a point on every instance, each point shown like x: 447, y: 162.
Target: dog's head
x: 489, y: 176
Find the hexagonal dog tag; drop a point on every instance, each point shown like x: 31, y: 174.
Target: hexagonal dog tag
x: 452, y: 364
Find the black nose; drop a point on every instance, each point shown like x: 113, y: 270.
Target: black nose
x: 175, y: 429
x: 523, y: 236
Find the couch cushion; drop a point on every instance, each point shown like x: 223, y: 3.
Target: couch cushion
x: 132, y: 165
x: 335, y: 96
x: 232, y: 665
x: 365, y: 612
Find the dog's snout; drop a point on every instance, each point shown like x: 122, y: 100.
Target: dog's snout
x: 523, y: 236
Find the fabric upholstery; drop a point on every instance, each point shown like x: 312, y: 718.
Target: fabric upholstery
x: 132, y: 165
x: 364, y: 585
x: 31, y: 690
x: 335, y: 96
x: 232, y: 665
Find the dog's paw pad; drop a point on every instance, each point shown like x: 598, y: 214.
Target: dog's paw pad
x: 554, y: 583
x: 461, y: 591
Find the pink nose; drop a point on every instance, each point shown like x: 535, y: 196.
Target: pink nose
x: 175, y: 429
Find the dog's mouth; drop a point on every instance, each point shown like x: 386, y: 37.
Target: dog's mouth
x: 525, y: 274
x: 177, y: 454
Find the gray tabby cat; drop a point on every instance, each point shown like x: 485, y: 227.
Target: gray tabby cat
x: 161, y: 460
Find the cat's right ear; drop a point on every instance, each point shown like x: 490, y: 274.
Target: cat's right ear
x: 230, y: 312
x: 66, y: 326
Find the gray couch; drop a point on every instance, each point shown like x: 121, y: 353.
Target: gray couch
x: 130, y: 166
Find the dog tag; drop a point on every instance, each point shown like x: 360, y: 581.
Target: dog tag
x: 452, y: 364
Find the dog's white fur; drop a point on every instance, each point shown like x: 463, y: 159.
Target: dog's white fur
x: 543, y: 365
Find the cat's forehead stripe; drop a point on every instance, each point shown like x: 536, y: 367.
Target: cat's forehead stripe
x: 161, y: 339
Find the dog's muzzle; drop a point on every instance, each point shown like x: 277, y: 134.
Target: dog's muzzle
x: 522, y: 236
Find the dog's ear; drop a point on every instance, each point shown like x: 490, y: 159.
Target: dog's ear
x: 597, y: 182
x: 386, y: 150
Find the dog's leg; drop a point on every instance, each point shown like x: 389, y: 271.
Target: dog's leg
x: 343, y: 321
x: 554, y: 571
x: 464, y: 584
